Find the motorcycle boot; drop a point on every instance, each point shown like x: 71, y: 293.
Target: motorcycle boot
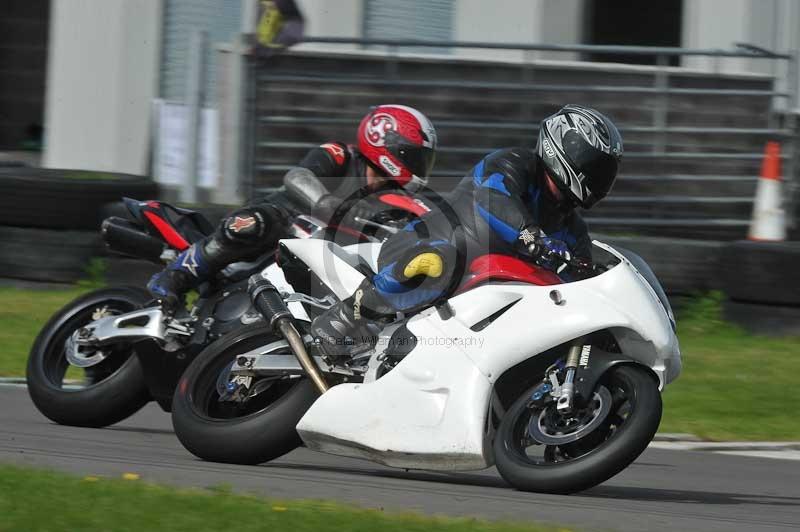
x: 189, y: 270
x: 351, y: 327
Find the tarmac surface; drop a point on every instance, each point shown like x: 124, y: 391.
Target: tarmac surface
x: 663, y: 490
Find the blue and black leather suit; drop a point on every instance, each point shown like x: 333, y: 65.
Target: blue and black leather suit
x: 502, y: 198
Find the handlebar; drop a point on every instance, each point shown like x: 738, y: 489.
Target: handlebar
x: 377, y: 225
x: 577, y: 265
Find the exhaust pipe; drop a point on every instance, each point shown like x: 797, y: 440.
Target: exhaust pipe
x: 270, y: 304
x: 126, y: 237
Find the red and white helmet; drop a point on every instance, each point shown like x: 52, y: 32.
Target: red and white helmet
x: 398, y: 141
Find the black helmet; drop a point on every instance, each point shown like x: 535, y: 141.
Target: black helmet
x: 580, y: 149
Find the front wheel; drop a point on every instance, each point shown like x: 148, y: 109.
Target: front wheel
x: 110, y: 388
x: 583, y: 449
x: 220, y: 421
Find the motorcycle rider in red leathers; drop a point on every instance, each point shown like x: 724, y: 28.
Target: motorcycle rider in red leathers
x: 395, y: 151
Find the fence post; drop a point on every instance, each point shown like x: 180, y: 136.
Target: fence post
x: 528, y: 76
x: 391, y: 64
x: 248, y: 102
x: 793, y: 105
x: 252, y: 118
x: 195, y: 89
x: 660, y: 112
x: 232, y: 124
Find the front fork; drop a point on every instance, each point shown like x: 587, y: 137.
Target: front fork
x: 566, y: 399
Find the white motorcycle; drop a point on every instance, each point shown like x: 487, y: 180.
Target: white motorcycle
x: 556, y: 383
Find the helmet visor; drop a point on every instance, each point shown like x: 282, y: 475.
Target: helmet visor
x: 417, y: 159
x: 599, y: 169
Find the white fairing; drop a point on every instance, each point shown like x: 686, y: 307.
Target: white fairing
x: 368, y: 251
x: 330, y: 262
x: 274, y: 273
x: 430, y: 412
x: 427, y: 413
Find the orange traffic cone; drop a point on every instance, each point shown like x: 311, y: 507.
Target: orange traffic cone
x: 769, y: 218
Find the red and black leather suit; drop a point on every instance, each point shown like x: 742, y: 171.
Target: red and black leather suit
x: 328, y: 178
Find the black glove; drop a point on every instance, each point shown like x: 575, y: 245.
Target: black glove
x: 551, y: 253
x: 583, y: 268
x: 548, y: 252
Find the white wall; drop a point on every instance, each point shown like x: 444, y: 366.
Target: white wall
x: 789, y: 17
x: 563, y: 22
x: 332, y: 18
x: 771, y: 24
x: 518, y: 21
x: 102, y: 78
x: 715, y: 24
x: 477, y: 20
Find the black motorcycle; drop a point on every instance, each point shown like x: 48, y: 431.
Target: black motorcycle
x: 102, y: 357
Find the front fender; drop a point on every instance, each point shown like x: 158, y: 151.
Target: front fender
x: 593, y: 365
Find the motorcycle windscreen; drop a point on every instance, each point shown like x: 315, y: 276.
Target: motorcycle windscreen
x: 647, y: 273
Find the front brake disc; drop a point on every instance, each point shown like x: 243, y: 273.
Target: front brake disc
x: 551, y: 428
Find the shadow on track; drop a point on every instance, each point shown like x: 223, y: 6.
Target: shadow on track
x: 461, y: 479
x: 685, y: 497
x: 140, y: 430
x: 599, y: 492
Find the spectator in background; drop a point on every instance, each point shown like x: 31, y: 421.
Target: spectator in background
x: 280, y: 25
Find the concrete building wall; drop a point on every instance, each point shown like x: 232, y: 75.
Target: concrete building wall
x: 515, y: 21
x: 474, y: 22
x: 715, y: 24
x: 104, y: 57
x: 333, y: 18
x: 712, y: 24
x: 102, y: 78
x: 520, y: 21
x: 770, y: 24
x: 789, y: 20
x: 563, y: 22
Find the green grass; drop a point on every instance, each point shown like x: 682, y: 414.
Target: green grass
x: 22, y: 315
x: 734, y: 386
x: 32, y: 501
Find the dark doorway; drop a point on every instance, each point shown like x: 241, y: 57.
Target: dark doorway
x: 634, y: 22
x: 24, y: 26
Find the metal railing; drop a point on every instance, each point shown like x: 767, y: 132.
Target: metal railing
x: 743, y: 50
x: 660, y: 89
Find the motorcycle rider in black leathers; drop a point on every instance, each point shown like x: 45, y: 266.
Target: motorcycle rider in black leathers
x: 396, y: 150
x: 516, y: 201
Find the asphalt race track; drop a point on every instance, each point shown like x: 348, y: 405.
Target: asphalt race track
x: 663, y: 490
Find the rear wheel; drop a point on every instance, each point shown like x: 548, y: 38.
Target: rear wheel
x: 538, y: 449
x: 110, y: 388
x: 243, y: 426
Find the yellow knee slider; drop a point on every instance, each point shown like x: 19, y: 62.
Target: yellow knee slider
x: 428, y: 264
